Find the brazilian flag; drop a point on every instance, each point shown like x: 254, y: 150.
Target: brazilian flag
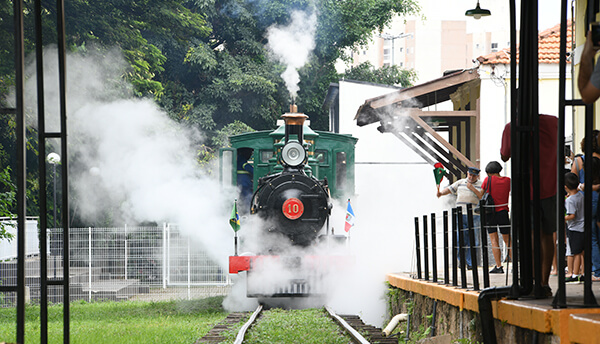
x: 234, y: 221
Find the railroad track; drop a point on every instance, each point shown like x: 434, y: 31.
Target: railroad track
x: 351, y: 324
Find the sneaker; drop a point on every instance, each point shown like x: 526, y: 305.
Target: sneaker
x: 572, y: 279
x: 497, y: 270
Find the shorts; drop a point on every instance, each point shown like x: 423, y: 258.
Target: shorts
x: 547, y: 214
x: 576, y: 240
x: 499, y: 220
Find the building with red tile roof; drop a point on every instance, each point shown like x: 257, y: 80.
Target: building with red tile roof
x: 548, y: 48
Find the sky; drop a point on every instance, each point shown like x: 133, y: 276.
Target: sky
x: 549, y: 13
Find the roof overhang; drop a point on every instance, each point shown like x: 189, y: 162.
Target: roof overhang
x: 420, y: 96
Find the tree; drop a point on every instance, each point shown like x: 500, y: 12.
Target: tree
x: 206, y: 62
x: 387, y: 75
x: 7, y: 201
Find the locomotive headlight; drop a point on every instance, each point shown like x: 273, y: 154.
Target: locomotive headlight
x: 293, y: 154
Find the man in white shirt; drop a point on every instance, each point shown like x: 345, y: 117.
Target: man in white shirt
x: 467, y: 191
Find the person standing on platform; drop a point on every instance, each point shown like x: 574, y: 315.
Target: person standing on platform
x: 574, y: 219
x: 578, y: 169
x: 467, y: 191
x: 499, y: 188
x: 548, y: 143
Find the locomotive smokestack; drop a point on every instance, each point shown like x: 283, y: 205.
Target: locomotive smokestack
x: 294, y: 122
x: 293, y: 106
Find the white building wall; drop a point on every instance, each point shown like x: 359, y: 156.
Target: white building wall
x: 393, y: 184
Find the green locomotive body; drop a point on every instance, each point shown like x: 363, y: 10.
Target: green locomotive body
x: 330, y: 157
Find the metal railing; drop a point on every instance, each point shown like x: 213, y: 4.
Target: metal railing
x: 457, y: 238
x: 122, y: 263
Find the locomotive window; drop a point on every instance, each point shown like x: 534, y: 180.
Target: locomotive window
x: 340, y: 169
x: 265, y: 155
x: 321, y: 156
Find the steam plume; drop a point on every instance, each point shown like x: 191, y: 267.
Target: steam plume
x: 292, y: 45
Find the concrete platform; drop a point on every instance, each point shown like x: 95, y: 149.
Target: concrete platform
x: 574, y: 324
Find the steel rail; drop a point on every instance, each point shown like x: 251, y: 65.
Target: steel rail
x: 356, y: 337
x: 240, y: 337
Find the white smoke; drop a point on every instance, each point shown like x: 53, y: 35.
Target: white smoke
x: 292, y: 44
x: 131, y: 158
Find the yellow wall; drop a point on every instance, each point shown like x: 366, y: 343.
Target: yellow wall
x: 579, y: 117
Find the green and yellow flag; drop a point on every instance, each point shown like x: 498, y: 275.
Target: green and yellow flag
x: 234, y: 221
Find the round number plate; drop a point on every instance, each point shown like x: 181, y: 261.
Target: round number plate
x: 292, y: 208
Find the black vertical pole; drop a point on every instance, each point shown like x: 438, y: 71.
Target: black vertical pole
x: 62, y: 80
x: 433, y: 248
x: 418, y: 247
x: 472, y: 247
x: 21, y: 166
x: 425, y: 248
x: 560, y: 298
x: 454, y: 238
x: 588, y: 294
x: 484, y: 246
x: 461, y: 250
x: 515, y: 185
x: 446, y: 272
x: 39, y: 59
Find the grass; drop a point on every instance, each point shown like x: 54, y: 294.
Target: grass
x: 292, y: 326
x: 120, y: 322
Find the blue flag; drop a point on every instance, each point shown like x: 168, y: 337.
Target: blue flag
x: 349, y: 218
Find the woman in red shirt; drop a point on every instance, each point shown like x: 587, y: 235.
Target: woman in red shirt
x: 500, y: 189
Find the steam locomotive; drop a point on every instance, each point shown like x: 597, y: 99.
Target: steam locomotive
x: 290, y: 207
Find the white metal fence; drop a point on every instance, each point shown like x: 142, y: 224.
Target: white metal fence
x: 147, y: 263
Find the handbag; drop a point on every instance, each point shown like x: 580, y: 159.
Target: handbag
x: 487, y: 204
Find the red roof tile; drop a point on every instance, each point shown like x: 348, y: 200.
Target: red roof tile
x: 548, y: 48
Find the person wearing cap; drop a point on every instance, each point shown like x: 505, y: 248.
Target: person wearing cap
x: 499, y: 188
x: 467, y: 191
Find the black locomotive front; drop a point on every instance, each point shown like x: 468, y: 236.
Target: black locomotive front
x: 292, y: 203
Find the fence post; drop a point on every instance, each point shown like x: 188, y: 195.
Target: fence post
x: 425, y: 248
x: 164, y: 262
x: 89, y: 264
x: 446, y: 272
x: 418, y: 247
x: 484, y: 247
x: 189, y: 271
x: 454, y: 238
x: 126, y: 253
x: 433, y: 248
x: 461, y: 250
x: 473, y: 248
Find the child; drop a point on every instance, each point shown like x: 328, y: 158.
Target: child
x: 575, y: 220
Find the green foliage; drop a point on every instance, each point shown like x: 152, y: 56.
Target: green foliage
x: 221, y: 139
x: 123, y: 322
x: 204, y: 61
x: 386, y: 75
x: 7, y: 201
x: 286, y: 326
